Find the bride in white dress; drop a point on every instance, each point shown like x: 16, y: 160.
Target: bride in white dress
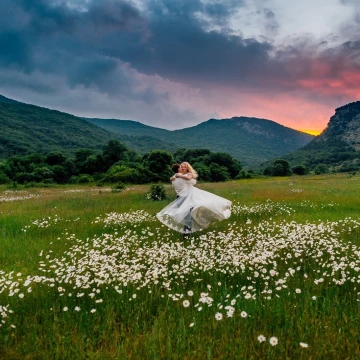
x: 194, y: 209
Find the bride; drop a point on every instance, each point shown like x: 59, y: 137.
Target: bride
x: 194, y: 209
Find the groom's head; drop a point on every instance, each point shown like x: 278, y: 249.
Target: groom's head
x: 175, y: 168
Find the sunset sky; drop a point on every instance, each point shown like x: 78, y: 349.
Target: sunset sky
x: 174, y: 64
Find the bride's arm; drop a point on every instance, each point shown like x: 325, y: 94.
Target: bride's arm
x: 187, y: 176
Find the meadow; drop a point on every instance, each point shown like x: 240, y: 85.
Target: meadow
x: 86, y: 273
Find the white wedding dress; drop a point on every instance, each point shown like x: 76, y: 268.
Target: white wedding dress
x: 194, y: 208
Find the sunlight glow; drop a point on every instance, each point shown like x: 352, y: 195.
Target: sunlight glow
x: 311, y: 132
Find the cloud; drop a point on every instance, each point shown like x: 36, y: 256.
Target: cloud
x: 176, y: 63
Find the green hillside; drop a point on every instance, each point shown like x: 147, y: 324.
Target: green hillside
x: 28, y: 129
x: 249, y: 140
x: 338, y: 146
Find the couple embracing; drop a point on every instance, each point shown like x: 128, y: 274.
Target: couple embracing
x: 194, y: 209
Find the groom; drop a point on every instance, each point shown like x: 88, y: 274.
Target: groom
x: 180, y: 187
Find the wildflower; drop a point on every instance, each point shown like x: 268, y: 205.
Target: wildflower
x: 21, y: 296
x: 190, y: 293
x: 261, y: 338
x: 218, y: 316
x: 273, y: 341
x: 186, y: 303
x: 314, y: 297
x: 298, y: 291
x: 65, y: 308
x: 303, y: 345
x: 243, y: 314
x: 77, y: 308
x: 93, y: 310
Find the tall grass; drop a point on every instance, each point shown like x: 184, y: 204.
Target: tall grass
x: 90, y: 274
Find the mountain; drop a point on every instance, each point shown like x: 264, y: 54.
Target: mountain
x: 338, y: 146
x: 4, y: 99
x: 249, y: 140
x: 28, y: 129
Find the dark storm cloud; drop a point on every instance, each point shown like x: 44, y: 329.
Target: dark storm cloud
x: 15, y: 50
x: 172, y: 39
x: 179, y: 48
x: 55, y: 39
x: 171, y: 42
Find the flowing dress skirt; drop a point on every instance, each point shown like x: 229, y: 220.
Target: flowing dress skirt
x: 197, y: 210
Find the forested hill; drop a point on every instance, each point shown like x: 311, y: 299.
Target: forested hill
x: 27, y: 129
x: 337, y: 148
x: 249, y: 140
x: 4, y: 99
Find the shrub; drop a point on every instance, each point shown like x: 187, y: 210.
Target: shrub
x: 118, y: 188
x: 244, y: 175
x: 82, y: 179
x: 4, y: 179
x: 157, y: 192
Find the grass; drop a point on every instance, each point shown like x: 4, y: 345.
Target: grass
x: 80, y: 281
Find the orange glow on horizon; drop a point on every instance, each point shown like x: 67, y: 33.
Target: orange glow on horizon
x: 311, y: 132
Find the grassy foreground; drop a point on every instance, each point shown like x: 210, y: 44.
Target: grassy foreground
x: 90, y: 274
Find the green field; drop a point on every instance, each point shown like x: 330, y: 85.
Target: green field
x: 86, y: 273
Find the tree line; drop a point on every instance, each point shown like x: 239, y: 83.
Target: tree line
x: 116, y: 163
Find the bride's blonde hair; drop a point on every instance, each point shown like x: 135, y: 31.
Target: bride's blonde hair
x: 190, y: 169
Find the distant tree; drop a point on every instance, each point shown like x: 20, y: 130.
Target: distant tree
x: 219, y: 173
x: 225, y: 160
x: 321, y: 169
x: 61, y: 174
x: 300, y: 170
x: 281, y: 168
x: 33, y: 159
x: 192, y: 155
x: 203, y: 171
x: 87, y: 162
x: 113, y: 152
x: 43, y: 173
x: 80, y: 158
x: 126, y: 175
x: 55, y: 158
x: 179, y: 155
x: 268, y: 171
x: 158, y: 163
x: 90, y: 165
x: 348, y: 166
